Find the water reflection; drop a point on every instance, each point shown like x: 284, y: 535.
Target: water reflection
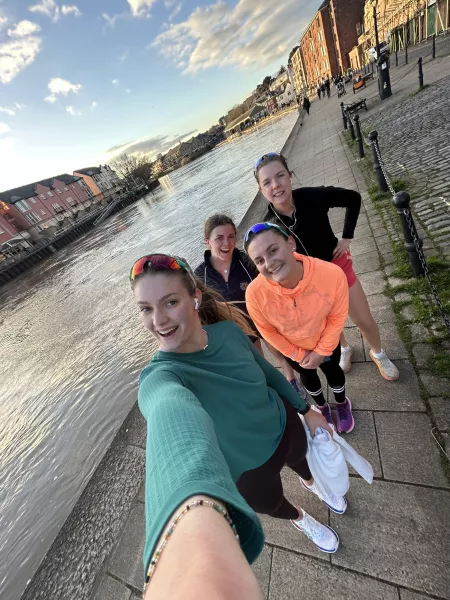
x: 72, y: 346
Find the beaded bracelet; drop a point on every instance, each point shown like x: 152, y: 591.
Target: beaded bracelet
x: 157, y: 554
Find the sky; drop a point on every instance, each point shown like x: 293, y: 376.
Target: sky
x: 83, y: 82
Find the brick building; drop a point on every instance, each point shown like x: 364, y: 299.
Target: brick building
x: 318, y: 47
x: 347, y: 21
x: 43, y: 204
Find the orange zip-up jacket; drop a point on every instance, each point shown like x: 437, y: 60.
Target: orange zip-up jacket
x: 309, y: 317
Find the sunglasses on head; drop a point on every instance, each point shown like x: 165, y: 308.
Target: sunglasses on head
x: 261, y: 158
x: 263, y: 227
x: 160, y: 262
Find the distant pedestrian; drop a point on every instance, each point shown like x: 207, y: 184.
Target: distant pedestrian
x: 323, y: 89
x: 306, y: 104
x: 319, y: 91
x: 327, y: 87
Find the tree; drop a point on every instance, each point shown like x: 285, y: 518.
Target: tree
x: 128, y: 166
x: 267, y: 81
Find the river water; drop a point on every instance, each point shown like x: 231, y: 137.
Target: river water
x: 72, y: 345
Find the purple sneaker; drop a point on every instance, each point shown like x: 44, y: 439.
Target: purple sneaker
x: 326, y: 412
x: 344, y: 418
x: 298, y: 388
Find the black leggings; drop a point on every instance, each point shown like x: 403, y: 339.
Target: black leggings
x: 332, y: 371
x: 262, y: 487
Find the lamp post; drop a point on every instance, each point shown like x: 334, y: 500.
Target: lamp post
x: 384, y: 80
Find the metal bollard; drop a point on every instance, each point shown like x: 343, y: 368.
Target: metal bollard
x: 401, y: 201
x: 433, y: 51
x: 382, y: 183
x: 419, y: 62
x: 396, y: 58
x: 344, y: 116
x: 351, y: 128
x: 406, y: 54
x: 359, y: 139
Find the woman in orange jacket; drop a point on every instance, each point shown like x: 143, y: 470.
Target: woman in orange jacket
x: 299, y: 305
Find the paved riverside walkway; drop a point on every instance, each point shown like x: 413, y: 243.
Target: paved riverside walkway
x: 395, y: 535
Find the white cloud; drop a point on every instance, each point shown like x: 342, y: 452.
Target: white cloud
x: 175, y: 11
x: 57, y: 86
x: 50, y: 9
x: 19, y: 106
x: 140, y: 8
x: 3, y: 21
x: 4, y: 128
x: 23, y: 28
x: 128, y: 91
x: 254, y: 33
x: 110, y: 21
x: 8, y: 111
x: 71, y: 9
x: 123, y: 57
x: 17, y: 54
x: 75, y: 113
x: 116, y: 81
x: 94, y: 104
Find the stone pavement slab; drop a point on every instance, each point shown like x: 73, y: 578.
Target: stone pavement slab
x: 397, y: 533
x: 436, y: 386
x: 298, y: 577
x: 381, y: 309
x: 409, y: 595
x: 364, y: 440
x: 111, y: 589
x: 373, y: 282
x: 369, y: 391
x: 354, y: 338
x: 261, y: 567
x: 408, y: 451
x: 391, y: 342
x: 441, y: 412
x: 126, y: 561
x: 364, y: 263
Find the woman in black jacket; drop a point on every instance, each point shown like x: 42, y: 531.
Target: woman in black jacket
x: 228, y: 271
x: 304, y: 212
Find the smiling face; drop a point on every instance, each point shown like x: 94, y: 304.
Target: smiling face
x: 167, y: 310
x: 273, y: 256
x: 222, y: 242
x: 275, y: 183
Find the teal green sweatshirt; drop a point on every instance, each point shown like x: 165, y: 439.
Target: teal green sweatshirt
x: 211, y: 415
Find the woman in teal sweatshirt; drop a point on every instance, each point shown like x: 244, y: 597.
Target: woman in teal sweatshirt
x: 222, y: 422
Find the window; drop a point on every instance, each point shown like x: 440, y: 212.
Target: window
x: 71, y: 201
x: 66, y: 189
x: 33, y: 218
x: 325, y: 64
x: 1, y: 231
x: 42, y: 211
x: 322, y: 50
x: 23, y: 206
x: 41, y: 196
x: 58, y: 190
x: 50, y: 194
x: 320, y: 35
x: 33, y: 200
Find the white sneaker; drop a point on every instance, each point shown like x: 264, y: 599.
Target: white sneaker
x: 386, y: 367
x: 337, y: 504
x: 346, y: 359
x: 325, y: 538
